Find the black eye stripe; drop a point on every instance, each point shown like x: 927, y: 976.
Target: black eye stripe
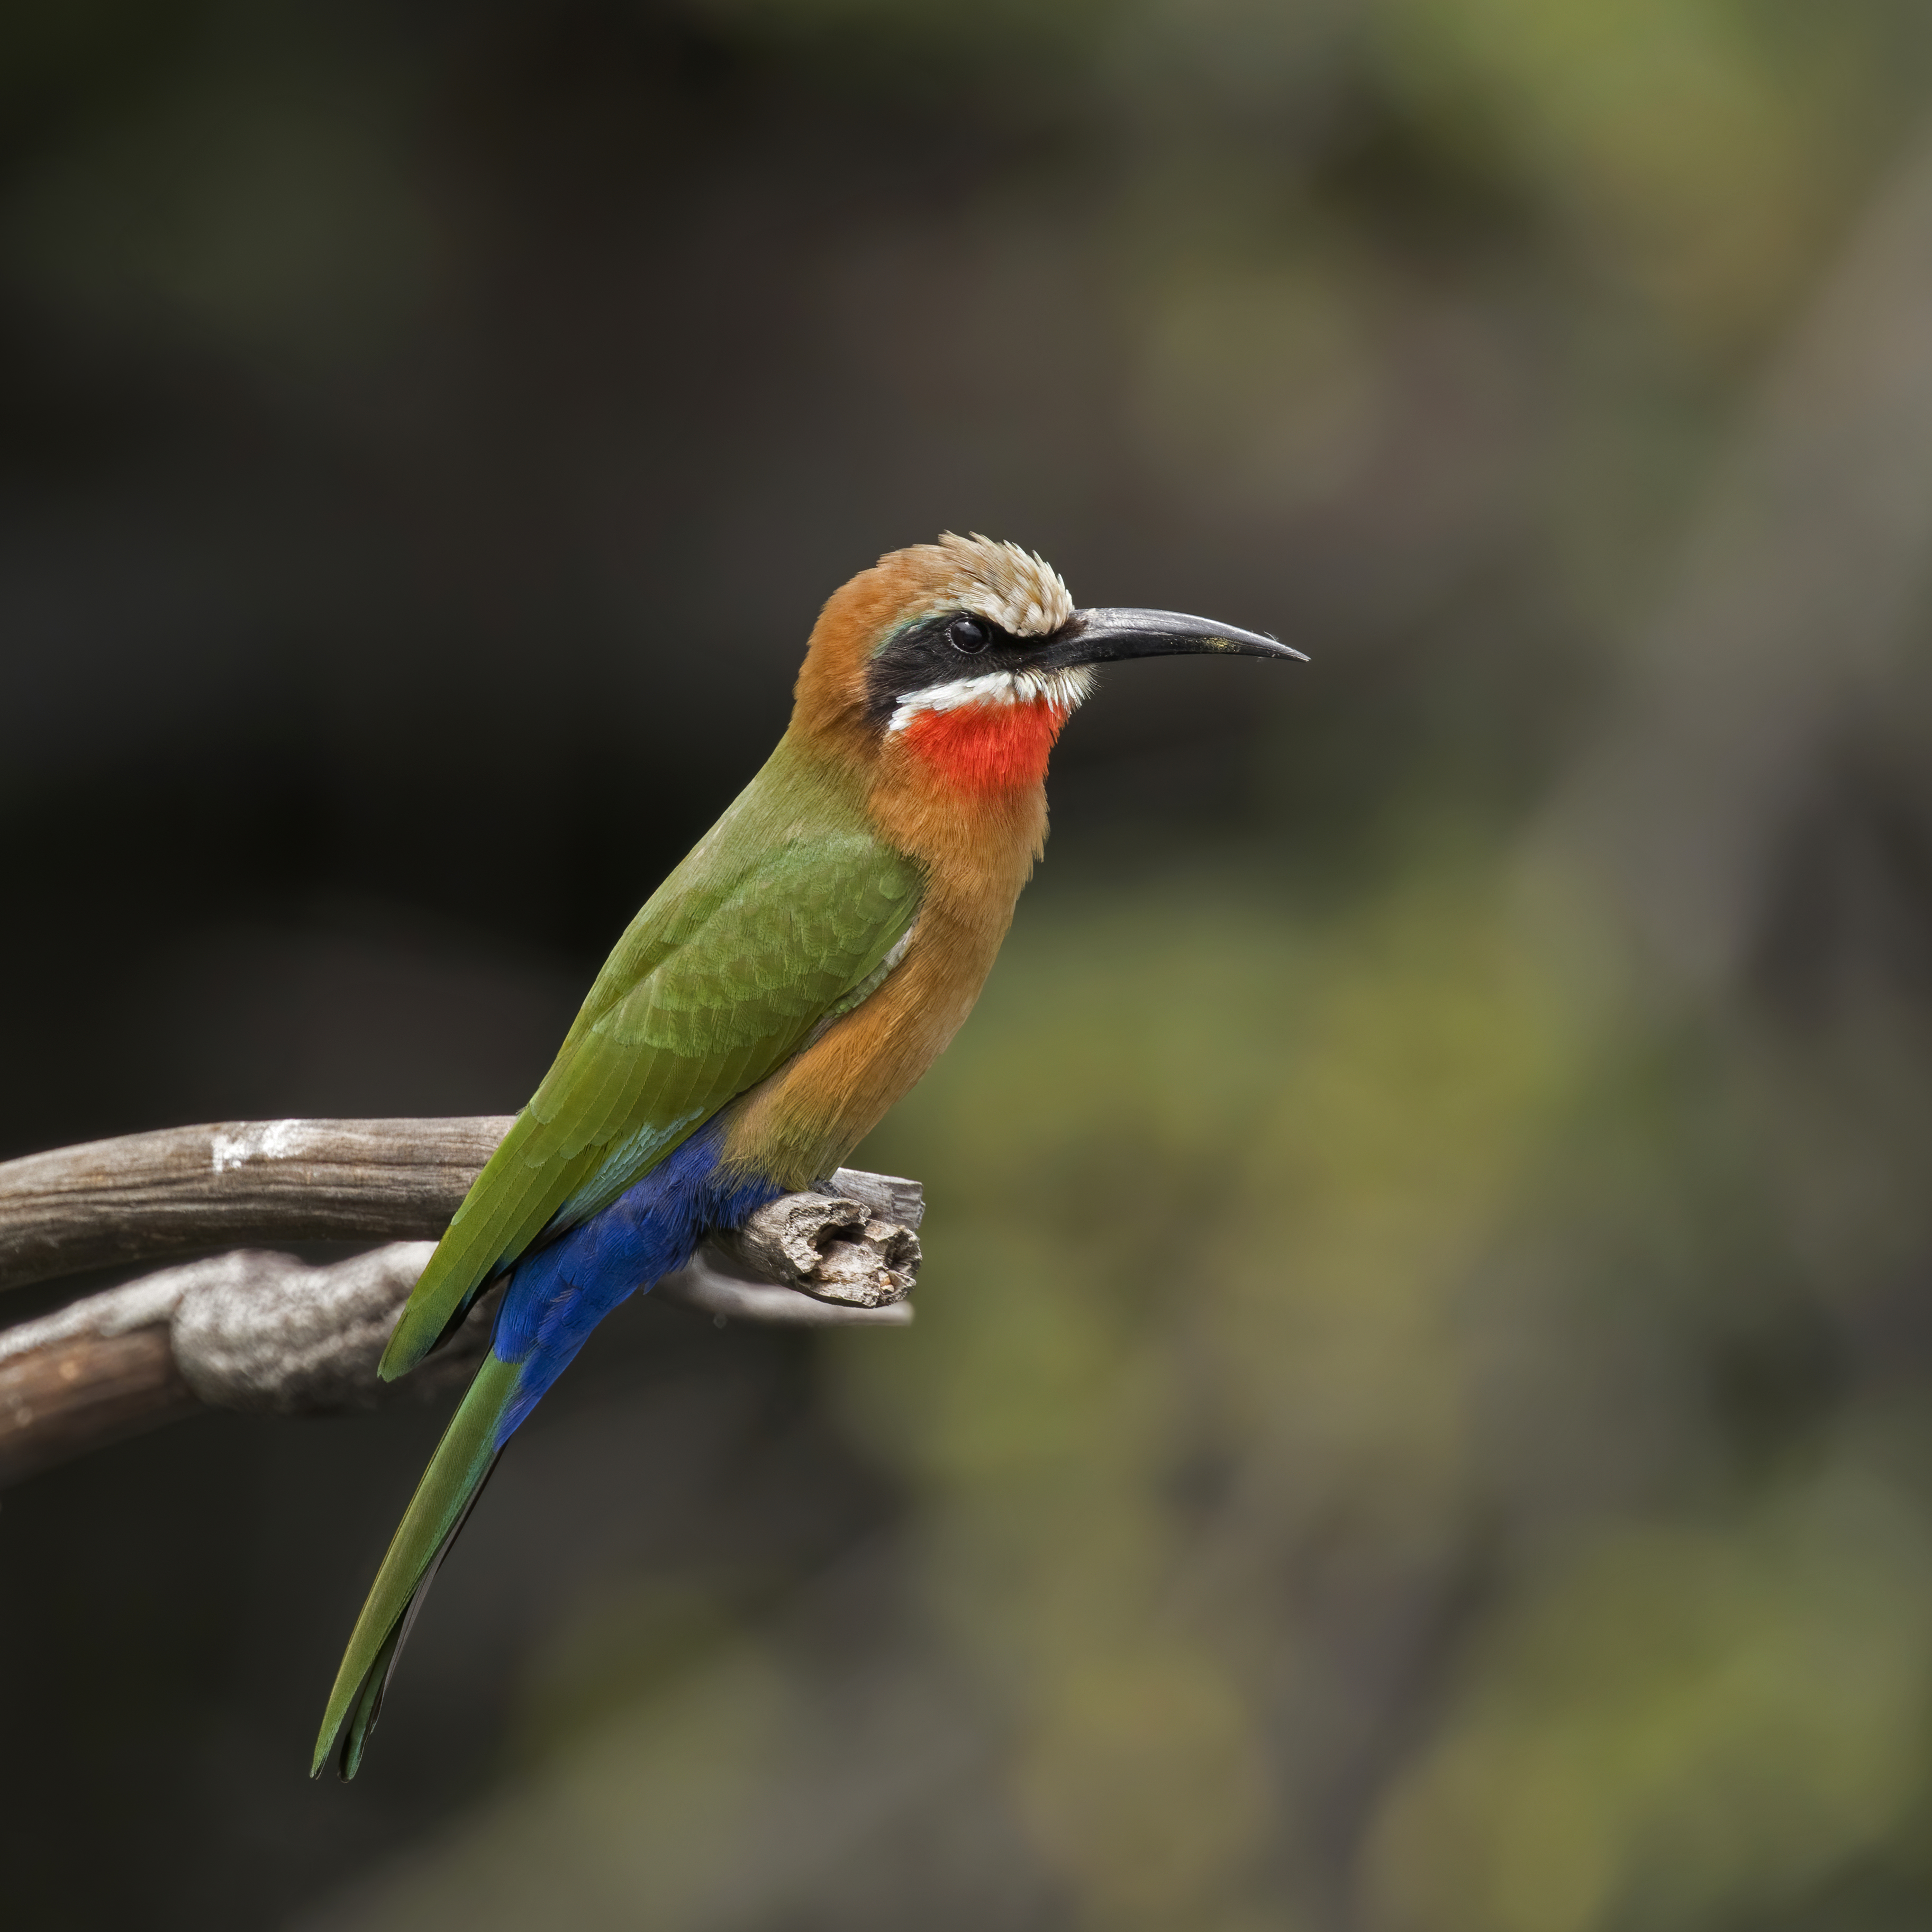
x: 929, y: 652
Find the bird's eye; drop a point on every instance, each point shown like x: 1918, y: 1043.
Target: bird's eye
x: 967, y: 634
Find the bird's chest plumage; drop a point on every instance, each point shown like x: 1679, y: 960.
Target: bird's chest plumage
x: 976, y: 843
x: 985, y: 749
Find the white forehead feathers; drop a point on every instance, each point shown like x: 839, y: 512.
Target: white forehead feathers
x: 1017, y: 589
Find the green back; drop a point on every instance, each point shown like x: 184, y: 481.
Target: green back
x: 785, y: 907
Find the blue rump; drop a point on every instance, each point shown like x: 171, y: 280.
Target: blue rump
x: 558, y: 1294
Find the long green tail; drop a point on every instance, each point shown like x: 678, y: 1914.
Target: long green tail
x: 449, y: 1486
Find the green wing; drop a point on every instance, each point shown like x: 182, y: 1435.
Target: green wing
x: 787, y: 907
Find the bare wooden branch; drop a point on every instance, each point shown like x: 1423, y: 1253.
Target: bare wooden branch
x: 830, y: 1245
x: 260, y: 1331
x: 251, y: 1330
x: 146, y: 1196
x: 60, y: 1401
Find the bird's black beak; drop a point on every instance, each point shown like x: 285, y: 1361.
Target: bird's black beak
x: 1103, y: 637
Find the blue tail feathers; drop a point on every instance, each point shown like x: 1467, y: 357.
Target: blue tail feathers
x: 561, y: 1292
x: 555, y: 1297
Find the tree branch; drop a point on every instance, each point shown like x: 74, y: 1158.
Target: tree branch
x: 264, y: 1331
x: 144, y: 1195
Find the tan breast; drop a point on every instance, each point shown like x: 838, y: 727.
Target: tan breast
x: 978, y: 853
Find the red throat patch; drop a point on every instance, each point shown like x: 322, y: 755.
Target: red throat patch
x: 988, y: 747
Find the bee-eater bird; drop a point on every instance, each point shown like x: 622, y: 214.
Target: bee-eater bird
x: 804, y: 965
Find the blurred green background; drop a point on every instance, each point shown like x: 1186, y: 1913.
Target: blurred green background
x: 1419, y: 1418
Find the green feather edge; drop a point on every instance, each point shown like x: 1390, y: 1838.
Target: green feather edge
x: 786, y: 908
x: 449, y: 1486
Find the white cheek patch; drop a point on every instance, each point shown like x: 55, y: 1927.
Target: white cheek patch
x: 1064, y: 690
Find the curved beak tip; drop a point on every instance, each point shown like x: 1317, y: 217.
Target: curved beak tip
x: 1249, y: 649
x: 1102, y: 636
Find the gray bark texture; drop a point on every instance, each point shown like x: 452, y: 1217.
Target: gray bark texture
x: 144, y: 1195
x: 256, y: 1330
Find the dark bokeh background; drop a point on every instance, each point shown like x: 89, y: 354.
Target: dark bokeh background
x: 1418, y: 1417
